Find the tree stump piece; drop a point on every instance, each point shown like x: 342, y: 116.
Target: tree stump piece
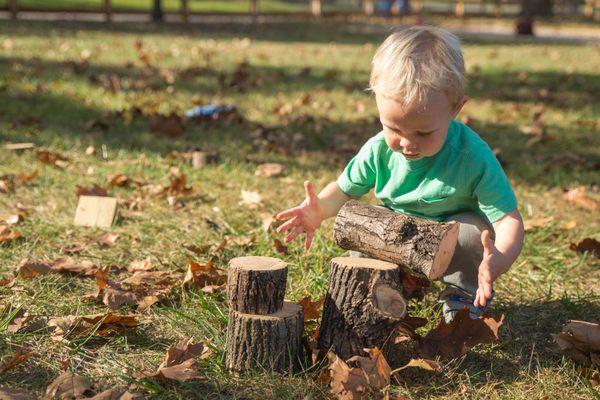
x: 363, y: 307
x: 267, y: 342
x: 423, y: 245
x: 256, y: 285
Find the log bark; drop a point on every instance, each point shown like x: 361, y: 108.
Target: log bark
x: 422, y: 245
x: 265, y: 342
x: 363, y: 307
x: 256, y: 285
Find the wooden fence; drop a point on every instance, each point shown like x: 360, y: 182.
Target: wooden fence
x: 591, y: 8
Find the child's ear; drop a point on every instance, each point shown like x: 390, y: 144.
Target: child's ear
x: 459, y: 105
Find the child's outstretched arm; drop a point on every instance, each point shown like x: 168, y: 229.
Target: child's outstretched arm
x: 498, y: 256
x: 314, y: 209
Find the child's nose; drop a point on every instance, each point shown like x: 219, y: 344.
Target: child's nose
x: 406, y: 144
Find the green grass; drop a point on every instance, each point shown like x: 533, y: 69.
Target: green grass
x: 548, y: 284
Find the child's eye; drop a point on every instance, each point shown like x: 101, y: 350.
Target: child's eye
x: 424, y: 133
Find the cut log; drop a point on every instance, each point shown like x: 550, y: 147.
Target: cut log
x: 256, y: 285
x: 363, y: 307
x: 271, y: 343
x: 423, y: 245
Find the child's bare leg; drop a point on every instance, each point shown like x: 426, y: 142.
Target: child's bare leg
x: 461, y: 276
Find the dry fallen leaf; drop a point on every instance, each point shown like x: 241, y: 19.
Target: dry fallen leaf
x: 68, y: 265
x: 29, y: 268
x: 11, y: 219
x: 70, y: 386
x: 579, y: 197
x: 179, y: 361
x: 252, y: 199
x: 7, y: 235
x: 99, y: 324
x: 106, y: 240
x: 580, y: 340
x: 376, y: 368
x: 280, y: 246
x: 19, y: 357
x: 52, y: 158
x: 171, y: 125
x: 143, y: 265
x: 269, y: 170
x: 15, y: 394
x: 590, y: 245
x: 537, y: 223
x: 455, y: 339
x: 422, y: 363
x: 205, y: 276
x: 312, y: 309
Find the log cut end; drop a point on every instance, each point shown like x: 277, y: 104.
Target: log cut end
x: 361, y: 262
x: 257, y: 263
x: 445, y: 252
x: 389, y: 301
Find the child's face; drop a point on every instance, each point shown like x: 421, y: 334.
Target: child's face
x: 417, y: 130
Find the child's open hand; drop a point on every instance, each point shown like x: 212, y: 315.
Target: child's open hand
x: 306, y: 217
x: 488, y: 270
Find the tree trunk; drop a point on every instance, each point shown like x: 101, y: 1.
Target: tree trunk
x: 363, y: 307
x: 265, y: 342
x: 256, y: 285
x: 157, y: 12
x: 421, y: 245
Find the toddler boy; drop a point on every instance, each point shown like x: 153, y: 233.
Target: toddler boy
x: 425, y: 164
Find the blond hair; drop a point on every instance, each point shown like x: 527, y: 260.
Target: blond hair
x: 413, y: 62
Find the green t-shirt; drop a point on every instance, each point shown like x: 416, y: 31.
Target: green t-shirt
x: 463, y: 176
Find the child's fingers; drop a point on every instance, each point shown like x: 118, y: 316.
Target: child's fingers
x: 288, y: 213
x: 309, y: 239
x: 288, y: 225
x: 309, y: 189
x: 476, y: 301
x: 292, y: 235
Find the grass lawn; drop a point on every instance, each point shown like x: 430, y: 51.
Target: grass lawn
x: 304, y: 80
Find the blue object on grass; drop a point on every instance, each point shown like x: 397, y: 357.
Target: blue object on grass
x: 209, y: 110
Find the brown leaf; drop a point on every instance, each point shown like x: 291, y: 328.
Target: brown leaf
x: 24, y: 178
x: 537, y: 223
x: 23, y: 322
x: 203, y: 275
x: 422, y: 363
x: 579, y: 197
x: 410, y: 324
x: 178, y: 184
x: 29, y: 268
x: 251, y: 199
x: 455, y: 339
x: 280, y: 247
x: 171, y: 125
x: 312, y: 309
x: 375, y: 367
x: 52, y: 158
x: 70, y: 386
x: 19, y: 357
x: 11, y: 219
x: 119, y: 180
x: 106, y: 240
x: 68, y: 265
x: 580, y: 340
x: 143, y: 265
x: 415, y: 285
x: 7, y: 235
x: 269, y: 170
x: 145, y: 279
x: 346, y: 383
x: 180, y: 360
x: 91, y: 191
x: 76, y: 326
x: 590, y: 245
x: 73, y: 248
x: 268, y: 221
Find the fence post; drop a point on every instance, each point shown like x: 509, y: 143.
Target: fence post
x: 107, y: 10
x: 369, y: 7
x: 12, y: 5
x: 185, y: 10
x: 316, y: 9
x: 459, y: 8
x: 253, y: 7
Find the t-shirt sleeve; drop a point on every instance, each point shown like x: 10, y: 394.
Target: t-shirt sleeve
x: 492, y: 189
x: 360, y: 174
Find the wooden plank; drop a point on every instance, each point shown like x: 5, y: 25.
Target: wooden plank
x: 95, y: 211
x: 185, y: 10
x: 19, y: 146
x: 316, y: 9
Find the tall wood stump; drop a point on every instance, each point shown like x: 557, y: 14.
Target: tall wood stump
x: 363, y: 307
x: 256, y: 285
x: 270, y: 342
x: 421, y: 245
